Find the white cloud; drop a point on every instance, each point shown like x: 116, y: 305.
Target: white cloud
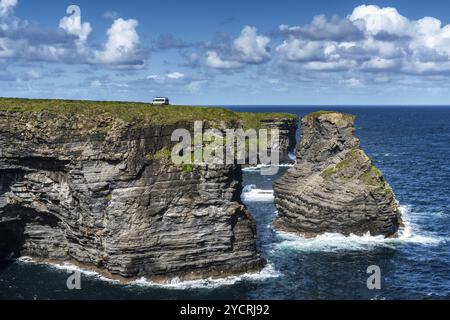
x: 378, y: 63
x: 323, y: 28
x: 386, y: 41
x: 248, y: 48
x: 122, y: 44
x: 6, y: 7
x: 213, y: 60
x: 72, y: 24
x: 375, y: 20
x: 175, y: 75
x: 68, y: 43
x: 301, y: 50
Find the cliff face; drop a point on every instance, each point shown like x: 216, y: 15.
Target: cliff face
x: 288, y: 128
x: 334, y: 186
x: 101, y: 192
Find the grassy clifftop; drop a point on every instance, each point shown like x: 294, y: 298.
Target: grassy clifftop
x: 143, y: 113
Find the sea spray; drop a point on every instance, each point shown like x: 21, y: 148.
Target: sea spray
x: 331, y: 242
x: 252, y: 194
x: 267, y: 272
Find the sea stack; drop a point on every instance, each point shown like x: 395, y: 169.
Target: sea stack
x: 334, y: 186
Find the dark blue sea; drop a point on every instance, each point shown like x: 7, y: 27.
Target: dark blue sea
x: 411, y: 145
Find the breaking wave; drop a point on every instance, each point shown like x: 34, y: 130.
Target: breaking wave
x: 267, y: 272
x: 261, y: 166
x: 69, y: 268
x: 252, y: 194
x: 331, y: 242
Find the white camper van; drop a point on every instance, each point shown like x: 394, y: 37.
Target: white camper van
x: 161, y: 101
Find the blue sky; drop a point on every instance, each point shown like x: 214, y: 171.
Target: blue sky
x: 227, y: 52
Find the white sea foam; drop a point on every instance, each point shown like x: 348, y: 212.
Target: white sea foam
x: 70, y: 268
x: 252, y: 194
x: 292, y: 156
x: 331, y: 242
x: 25, y: 259
x: 261, y: 166
x: 267, y: 272
x: 176, y: 284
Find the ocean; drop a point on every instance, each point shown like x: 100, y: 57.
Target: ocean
x: 410, y: 145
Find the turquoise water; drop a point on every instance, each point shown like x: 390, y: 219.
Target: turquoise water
x: 411, y: 145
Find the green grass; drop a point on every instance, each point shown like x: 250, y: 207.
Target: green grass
x: 320, y: 113
x: 188, y: 168
x: 127, y: 111
x: 350, y: 159
x: 161, y: 155
x: 373, y: 177
x: 328, y: 172
x: 254, y: 120
x: 139, y: 113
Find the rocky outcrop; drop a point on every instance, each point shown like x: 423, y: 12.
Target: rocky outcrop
x: 100, y: 191
x: 288, y: 129
x: 334, y: 187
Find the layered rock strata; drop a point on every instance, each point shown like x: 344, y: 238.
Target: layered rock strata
x: 101, y: 192
x: 334, y: 186
x: 288, y: 129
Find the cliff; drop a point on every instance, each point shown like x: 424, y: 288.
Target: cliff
x: 334, y: 187
x: 92, y: 183
x: 288, y: 128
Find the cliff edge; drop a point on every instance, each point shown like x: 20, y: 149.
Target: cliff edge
x: 334, y: 186
x: 92, y: 183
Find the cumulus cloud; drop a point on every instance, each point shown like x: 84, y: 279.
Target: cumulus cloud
x: 323, y: 28
x: 121, y: 47
x: 69, y: 43
x: 20, y: 39
x: 213, y: 60
x: 374, y: 20
x: 370, y: 39
x: 302, y: 50
x: 7, y: 6
x: 248, y: 48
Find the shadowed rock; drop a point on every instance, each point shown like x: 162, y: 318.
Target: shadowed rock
x: 101, y: 192
x: 334, y: 187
